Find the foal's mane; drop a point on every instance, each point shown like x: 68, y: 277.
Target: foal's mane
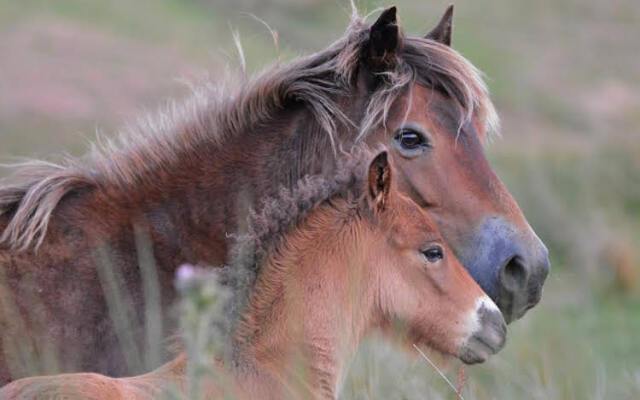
x: 218, y: 112
x: 269, y: 229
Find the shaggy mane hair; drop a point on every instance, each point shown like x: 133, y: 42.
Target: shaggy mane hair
x: 216, y: 113
x: 268, y: 230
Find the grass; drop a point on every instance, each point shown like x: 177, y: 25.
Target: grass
x: 572, y: 164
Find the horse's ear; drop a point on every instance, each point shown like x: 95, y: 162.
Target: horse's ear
x: 384, y: 39
x: 379, y: 182
x: 443, y: 31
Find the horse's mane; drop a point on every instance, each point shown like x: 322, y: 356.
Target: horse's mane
x: 217, y: 112
x: 269, y: 229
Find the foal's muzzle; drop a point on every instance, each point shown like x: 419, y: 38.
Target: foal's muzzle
x: 489, y: 336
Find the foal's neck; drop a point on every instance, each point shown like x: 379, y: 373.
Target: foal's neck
x: 309, y: 309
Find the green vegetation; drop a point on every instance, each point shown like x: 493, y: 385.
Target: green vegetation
x: 565, y: 79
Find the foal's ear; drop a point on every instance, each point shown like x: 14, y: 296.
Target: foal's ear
x: 379, y: 182
x: 384, y: 40
x: 442, y: 32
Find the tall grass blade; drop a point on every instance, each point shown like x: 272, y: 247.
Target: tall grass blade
x: 119, y: 305
x: 459, y: 395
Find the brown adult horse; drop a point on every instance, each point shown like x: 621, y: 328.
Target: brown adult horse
x: 366, y: 257
x: 187, y: 177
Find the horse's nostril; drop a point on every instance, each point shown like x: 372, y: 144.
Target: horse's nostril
x: 514, y: 274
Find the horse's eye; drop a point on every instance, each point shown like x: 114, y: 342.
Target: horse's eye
x: 409, y: 139
x: 433, y: 254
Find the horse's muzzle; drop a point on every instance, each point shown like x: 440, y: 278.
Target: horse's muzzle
x: 510, y: 265
x: 489, y: 336
x: 520, y: 283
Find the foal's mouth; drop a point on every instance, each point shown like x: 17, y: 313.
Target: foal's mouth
x: 488, y: 338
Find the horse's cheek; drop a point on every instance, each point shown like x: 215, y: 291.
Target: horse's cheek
x: 401, y: 296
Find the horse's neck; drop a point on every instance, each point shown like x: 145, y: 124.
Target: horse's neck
x: 307, y: 314
x: 232, y: 178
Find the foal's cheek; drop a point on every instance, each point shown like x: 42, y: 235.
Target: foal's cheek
x: 400, y: 291
x: 439, y: 279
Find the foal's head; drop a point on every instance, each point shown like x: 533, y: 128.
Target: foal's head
x: 363, y: 255
x: 423, y: 288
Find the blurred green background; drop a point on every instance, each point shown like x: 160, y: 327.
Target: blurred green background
x: 565, y: 76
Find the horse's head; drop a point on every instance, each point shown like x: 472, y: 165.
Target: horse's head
x: 434, y: 128
x: 421, y: 284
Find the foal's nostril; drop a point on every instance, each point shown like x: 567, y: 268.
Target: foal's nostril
x: 514, y: 274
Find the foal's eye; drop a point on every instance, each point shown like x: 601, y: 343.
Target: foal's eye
x: 433, y: 254
x: 410, y: 139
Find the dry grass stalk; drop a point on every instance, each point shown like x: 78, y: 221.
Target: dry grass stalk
x: 439, y: 372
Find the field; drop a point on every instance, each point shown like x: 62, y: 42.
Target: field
x: 565, y: 77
